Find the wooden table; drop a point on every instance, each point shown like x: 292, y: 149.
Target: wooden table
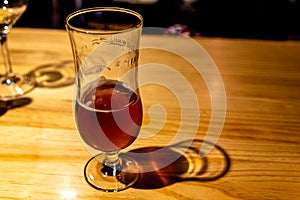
x: 257, y: 155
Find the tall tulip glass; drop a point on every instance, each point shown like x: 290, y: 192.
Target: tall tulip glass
x: 107, y: 104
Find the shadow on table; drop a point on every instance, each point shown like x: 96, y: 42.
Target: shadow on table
x: 163, y: 166
x: 54, y: 75
x: 46, y: 76
x: 11, y: 104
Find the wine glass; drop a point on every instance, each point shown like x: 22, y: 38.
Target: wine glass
x: 107, y: 104
x: 11, y: 84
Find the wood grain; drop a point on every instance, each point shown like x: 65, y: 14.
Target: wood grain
x: 257, y: 155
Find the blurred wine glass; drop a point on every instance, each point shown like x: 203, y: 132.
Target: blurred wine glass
x: 12, y: 84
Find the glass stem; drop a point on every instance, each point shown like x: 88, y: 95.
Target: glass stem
x: 5, y: 54
x: 111, y: 163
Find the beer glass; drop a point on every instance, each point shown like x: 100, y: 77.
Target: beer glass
x: 107, y: 104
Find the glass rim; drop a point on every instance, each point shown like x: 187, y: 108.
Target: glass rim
x: 95, y: 31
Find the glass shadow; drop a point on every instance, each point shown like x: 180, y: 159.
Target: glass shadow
x: 54, y: 75
x: 14, y: 103
x: 187, y: 164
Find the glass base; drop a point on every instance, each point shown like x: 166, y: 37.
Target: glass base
x: 111, y: 179
x: 15, y: 85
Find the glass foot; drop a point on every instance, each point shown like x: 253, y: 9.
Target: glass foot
x: 111, y: 179
x: 15, y: 85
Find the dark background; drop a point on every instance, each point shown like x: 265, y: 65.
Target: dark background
x: 257, y: 19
